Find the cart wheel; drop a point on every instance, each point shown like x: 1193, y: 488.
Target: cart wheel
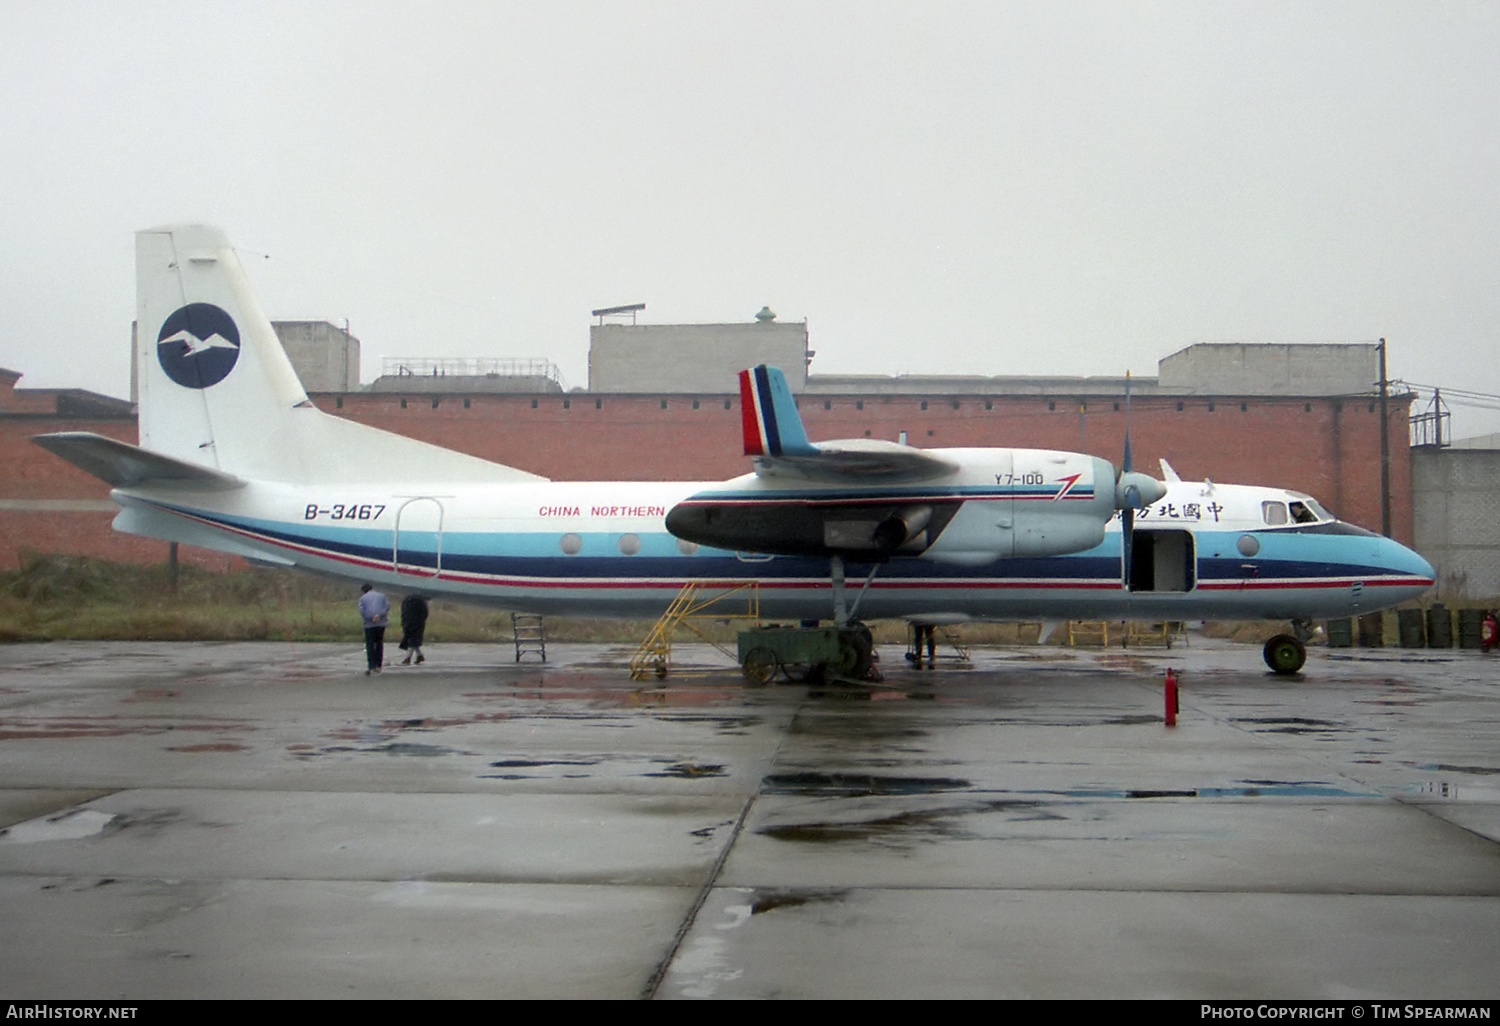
x: 760, y: 665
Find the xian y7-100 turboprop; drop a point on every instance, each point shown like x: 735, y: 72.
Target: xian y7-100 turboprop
x: 234, y: 457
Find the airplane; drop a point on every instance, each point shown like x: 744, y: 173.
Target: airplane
x: 234, y: 457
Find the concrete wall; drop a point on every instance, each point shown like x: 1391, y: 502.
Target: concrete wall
x: 326, y: 357
x: 1456, y: 505
x: 675, y: 358
x: 1245, y: 368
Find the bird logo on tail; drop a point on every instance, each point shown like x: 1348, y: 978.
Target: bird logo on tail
x: 198, y: 345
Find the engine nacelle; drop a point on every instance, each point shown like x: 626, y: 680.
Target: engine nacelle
x: 974, y: 539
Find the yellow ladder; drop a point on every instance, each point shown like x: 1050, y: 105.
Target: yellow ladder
x: 1164, y: 633
x: 698, y: 600
x: 1088, y: 631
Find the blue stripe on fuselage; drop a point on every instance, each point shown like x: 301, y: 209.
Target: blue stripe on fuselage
x: 1286, y: 555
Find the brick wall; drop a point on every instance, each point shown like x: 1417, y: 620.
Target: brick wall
x: 1327, y: 447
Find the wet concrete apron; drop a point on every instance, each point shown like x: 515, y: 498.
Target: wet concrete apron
x: 262, y: 820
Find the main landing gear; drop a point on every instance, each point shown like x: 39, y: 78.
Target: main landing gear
x: 844, y: 651
x: 1286, y: 653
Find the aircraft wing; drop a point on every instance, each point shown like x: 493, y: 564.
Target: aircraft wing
x: 122, y: 465
x: 778, y: 446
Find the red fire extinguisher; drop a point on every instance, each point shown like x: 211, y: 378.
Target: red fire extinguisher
x: 1171, y: 697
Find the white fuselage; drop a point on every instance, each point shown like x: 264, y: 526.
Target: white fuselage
x: 601, y: 549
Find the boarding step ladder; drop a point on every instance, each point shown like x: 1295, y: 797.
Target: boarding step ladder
x: 949, y: 636
x: 1088, y: 632
x: 698, y: 601
x: 960, y: 650
x: 529, y: 634
x: 1163, y: 633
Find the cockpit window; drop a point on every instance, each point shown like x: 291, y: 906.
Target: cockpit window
x: 1301, y: 514
x: 1317, y: 508
x: 1273, y: 513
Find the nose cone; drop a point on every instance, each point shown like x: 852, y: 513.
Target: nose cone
x: 1400, y: 561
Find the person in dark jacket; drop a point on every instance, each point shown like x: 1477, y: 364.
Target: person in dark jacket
x: 413, y: 626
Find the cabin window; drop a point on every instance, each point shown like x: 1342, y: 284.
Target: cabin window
x: 686, y: 547
x: 1273, y: 513
x: 1302, y: 515
x: 629, y: 544
x: 570, y: 544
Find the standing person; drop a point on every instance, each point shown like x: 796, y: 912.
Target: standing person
x: 374, y: 609
x: 413, y: 625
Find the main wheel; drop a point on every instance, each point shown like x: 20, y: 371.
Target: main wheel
x: 1285, y: 654
x: 760, y: 665
x: 855, y: 646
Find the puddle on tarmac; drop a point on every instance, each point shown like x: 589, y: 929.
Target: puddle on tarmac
x: 943, y: 822
x: 623, y: 765
x: 689, y: 771
x: 102, y: 727
x: 1477, y: 770
x: 769, y: 901
x: 1290, y: 725
x: 852, y: 784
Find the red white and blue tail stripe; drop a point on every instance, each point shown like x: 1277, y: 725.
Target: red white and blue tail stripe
x: 769, y: 415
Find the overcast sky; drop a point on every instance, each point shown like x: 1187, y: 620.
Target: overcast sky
x: 985, y: 188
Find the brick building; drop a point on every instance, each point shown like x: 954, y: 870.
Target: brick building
x: 1327, y: 446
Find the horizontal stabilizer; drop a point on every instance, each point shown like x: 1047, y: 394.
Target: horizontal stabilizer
x: 122, y: 465
x: 858, y: 460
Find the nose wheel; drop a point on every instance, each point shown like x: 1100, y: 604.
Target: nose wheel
x: 1285, y: 654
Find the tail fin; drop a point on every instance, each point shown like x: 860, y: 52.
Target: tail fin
x: 216, y: 388
x: 769, y: 415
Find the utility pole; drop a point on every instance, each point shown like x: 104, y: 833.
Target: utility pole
x: 1385, y: 449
